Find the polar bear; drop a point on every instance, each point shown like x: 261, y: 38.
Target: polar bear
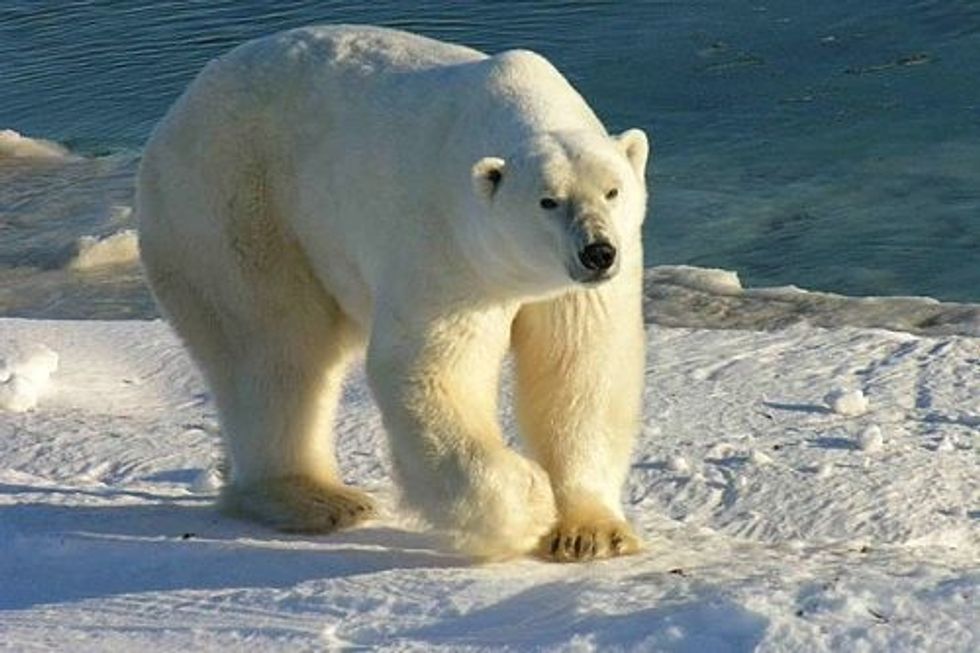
x: 335, y: 189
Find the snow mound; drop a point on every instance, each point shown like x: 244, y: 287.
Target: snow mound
x: 25, y: 372
x: 684, y: 296
x: 16, y: 146
x: 119, y: 248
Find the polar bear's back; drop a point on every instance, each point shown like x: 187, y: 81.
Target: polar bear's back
x: 313, y: 54
x: 313, y: 69
x: 392, y: 76
x: 364, y: 48
x: 303, y: 68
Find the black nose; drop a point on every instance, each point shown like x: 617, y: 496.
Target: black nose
x: 598, y: 256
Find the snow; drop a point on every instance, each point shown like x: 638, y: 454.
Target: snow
x: 777, y: 533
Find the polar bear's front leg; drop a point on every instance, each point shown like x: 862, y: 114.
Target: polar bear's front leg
x: 437, y: 385
x: 580, y: 367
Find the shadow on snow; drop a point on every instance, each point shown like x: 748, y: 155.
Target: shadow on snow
x: 58, y: 553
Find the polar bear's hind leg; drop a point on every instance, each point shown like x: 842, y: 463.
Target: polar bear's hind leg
x: 274, y: 346
x: 280, y: 415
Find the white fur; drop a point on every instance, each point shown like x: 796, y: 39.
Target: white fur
x: 328, y: 188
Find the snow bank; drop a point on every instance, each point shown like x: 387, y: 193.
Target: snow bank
x: 772, y: 522
x: 119, y: 248
x: 708, y: 280
x: 16, y: 146
x: 683, y: 296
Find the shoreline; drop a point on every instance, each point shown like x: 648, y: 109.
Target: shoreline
x: 673, y: 296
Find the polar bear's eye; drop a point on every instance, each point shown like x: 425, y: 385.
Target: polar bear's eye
x: 548, y: 203
x: 612, y: 193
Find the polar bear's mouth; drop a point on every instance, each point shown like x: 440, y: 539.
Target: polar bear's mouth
x: 586, y: 277
x: 591, y: 278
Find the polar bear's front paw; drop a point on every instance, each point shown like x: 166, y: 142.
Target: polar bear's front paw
x: 505, y: 513
x: 297, y: 504
x: 579, y: 537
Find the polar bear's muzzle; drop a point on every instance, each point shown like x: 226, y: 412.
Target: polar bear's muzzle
x: 596, y: 257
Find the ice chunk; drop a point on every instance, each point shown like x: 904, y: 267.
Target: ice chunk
x: 678, y: 463
x: 825, y: 470
x: 17, y: 146
x: 870, y: 439
x: 207, y: 481
x: 759, y: 458
x: 36, y: 363
x: 847, y: 402
x: 18, y: 394
x: 24, y: 374
x: 120, y: 213
x: 721, y: 450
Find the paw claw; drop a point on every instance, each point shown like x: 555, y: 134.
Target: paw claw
x: 572, y: 541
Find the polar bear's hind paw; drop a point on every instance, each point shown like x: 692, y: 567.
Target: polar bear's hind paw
x: 297, y: 504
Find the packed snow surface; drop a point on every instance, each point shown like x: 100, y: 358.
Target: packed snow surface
x: 769, y: 525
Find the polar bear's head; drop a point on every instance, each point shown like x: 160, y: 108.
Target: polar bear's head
x: 564, y: 208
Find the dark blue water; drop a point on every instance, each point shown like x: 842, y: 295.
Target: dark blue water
x: 833, y: 145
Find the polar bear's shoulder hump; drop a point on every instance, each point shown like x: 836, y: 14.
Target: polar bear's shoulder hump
x: 368, y: 47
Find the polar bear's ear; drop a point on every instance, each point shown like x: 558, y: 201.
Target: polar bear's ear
x: 487, y: 174
x: 634, y: 144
